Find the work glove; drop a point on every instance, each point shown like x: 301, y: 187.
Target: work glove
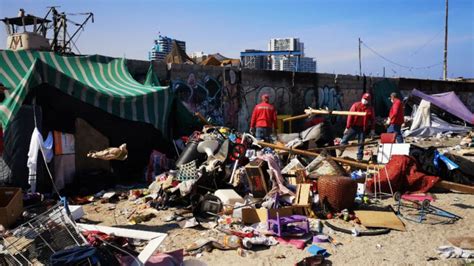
x: 388, y: 121
x: 346, y: 131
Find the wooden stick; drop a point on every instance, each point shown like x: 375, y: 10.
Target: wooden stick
x: 295, y: 117
x: 328, y: 112
x: 313, y: 154
x: 201, y: 118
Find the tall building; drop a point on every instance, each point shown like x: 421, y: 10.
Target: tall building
x: 253, y: 59
x: 286, y: 44
x: 162, y: 48
x: 284, y: 54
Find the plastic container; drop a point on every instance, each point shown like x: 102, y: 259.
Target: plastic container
x: 228, y: 196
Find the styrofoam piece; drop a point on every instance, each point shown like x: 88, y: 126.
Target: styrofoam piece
x: 386, y: 151
x: 76, y: 211
x: 228, y: 196
x: 155, y: 239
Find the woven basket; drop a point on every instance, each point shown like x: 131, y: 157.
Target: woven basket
x: 336, y: 192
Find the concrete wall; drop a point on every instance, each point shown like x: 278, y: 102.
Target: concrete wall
x: 228, y: 95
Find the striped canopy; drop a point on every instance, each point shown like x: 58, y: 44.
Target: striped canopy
x: 103, y: 82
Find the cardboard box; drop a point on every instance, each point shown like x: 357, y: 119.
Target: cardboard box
x: 11, y: 205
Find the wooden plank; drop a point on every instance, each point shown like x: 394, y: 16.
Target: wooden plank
x: 380, y: 219
x: 455, y: 186
x: 302, y: 195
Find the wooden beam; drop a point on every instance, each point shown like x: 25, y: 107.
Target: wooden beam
x: 329, y: 112
x: 352, y: 163
x: 295, y: 117
x: 455, y: 186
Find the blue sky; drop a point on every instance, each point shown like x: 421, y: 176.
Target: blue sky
x: 409, y: 32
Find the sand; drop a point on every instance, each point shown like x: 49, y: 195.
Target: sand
x: 416, y: 246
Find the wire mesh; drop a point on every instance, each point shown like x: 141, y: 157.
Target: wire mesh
x: 35, y: 241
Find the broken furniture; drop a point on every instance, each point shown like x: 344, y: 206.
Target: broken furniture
x: 11, y: 205
x: 336, y: 193
x: 288, y: 225
x: 38, y: 239
x: 258, y: 177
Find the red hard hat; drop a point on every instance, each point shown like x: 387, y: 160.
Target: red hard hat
x: 366, y: 96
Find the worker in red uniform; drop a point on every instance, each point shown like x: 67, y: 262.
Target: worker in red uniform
x: 359, y: 126
x: 264, y: 118
x: 395, y: 117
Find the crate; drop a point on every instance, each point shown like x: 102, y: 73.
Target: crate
x: 33, y: 242
x: 11, y: 205
x: 258, y: 178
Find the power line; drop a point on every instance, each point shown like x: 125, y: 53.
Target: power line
x: 428, y: 42
x: 398, y: 64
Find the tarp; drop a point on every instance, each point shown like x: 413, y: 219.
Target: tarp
x: 426, y: 124
x: 103, y: 82
x: 448, y: 101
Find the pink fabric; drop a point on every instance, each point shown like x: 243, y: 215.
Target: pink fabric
x: 299, y: 244
x: 278, y: 180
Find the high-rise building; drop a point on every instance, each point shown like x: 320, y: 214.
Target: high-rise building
x: 162, y: 48
x: 284, y: 54
x: 252, y: 59
x: 286, y: 44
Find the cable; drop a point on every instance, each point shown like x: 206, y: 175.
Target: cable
x: 397, y: 64
x: 425, y: 44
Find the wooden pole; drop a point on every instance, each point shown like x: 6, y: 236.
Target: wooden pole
x: 314, y: 154
x: 441, y: 184
x: 295, y: 117
x: 445, y: 55
x: 313, y: 111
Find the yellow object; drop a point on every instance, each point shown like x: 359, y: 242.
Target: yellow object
x: 280, y: 123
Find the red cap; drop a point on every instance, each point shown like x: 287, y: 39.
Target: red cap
x: 265, y: 97
x: 366, y: 96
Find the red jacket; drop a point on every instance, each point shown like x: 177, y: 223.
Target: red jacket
x: 264, y: 115
x: 367, y: 121
x: 396, y: 113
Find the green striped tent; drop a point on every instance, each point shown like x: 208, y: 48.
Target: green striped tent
x: 103, y: 82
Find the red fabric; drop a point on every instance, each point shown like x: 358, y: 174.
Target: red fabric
x: 264, y: 115
x: 367, y: 121
x: 403, y: 173
x: 396, y: 112
x: 388, y: 138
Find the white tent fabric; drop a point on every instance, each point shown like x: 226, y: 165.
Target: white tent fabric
x: 426, y: 124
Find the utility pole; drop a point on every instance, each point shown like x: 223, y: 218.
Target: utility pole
x: 360, y: 62
x: 445, y: 65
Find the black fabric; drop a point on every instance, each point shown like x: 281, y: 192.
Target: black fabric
x: 74, y: 256
x: 463, y: 175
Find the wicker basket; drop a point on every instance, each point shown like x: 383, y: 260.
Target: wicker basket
x: 336, y: 193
